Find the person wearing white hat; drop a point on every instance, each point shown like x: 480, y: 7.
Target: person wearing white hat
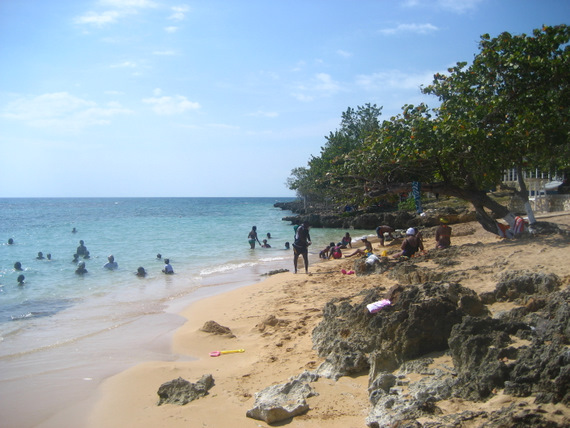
x: 410, y: 245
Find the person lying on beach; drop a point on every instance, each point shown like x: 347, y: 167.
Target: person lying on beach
x: 81, y: 268
x: 111, y: 264
x: 324, y: 254
x: 443, y: 234
x: 346, y: 241
x: 381, y: 230
x: 367, y: 248
x: 167, y: 268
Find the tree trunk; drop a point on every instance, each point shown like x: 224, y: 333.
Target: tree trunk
x: 523, y: 194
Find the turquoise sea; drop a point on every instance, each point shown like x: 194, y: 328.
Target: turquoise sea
x: 61, y: 330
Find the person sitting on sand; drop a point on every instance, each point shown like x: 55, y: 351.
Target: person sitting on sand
x: 443, y: 234
x: 167, y: 268
x: 324, y: 254
x: 141, y: 273
x: 18, y: 266
x: 419, y: 239
x: 111, y: 264
x: 265, y: 244
x: 40, y: 256
x: 252, y: 237
x: 381, y: 230
x: 410, y: 245
x: 335, y: 252
x: 346, y: 241
x: 81, y: 268
x: 367, y: 248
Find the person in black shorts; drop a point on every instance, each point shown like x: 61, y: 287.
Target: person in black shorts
x: 301, y: 246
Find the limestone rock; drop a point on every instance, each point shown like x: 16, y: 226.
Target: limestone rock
x: 280, y: 402
x: 215, y: 328
x: 180, y: 391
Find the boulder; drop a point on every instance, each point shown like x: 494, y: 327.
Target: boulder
x: 180, y: 391
x: 215, y: 328
x: 280, y: 402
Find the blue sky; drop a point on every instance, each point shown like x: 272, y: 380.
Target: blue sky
x: 214, y: 98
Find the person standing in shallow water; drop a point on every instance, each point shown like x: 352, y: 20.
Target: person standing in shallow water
x: 301, y: 246
x: 252, y: 237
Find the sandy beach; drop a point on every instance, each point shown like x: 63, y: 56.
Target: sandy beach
x: 272, y: 321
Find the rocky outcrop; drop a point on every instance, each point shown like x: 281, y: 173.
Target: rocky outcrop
x: 180, y: 391
x: 418, y: 321
x: 523, y: 352
x: 318, y: 217
x: 281, y: 402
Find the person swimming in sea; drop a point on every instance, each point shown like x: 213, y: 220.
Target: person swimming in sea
x: 18, y: 266
x: 81, y: 270
x: 40, y: 256
x: 141, y: 273
x: 252, y: 237
x: 111, y: 264
x: 21, y: 279
x: 167, y: 268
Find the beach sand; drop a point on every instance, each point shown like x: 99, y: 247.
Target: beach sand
x: 273, y: 320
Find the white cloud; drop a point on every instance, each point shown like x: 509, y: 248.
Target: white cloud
x: 179, y: 13
x: 61, y: 111
x: 125, y: 64
x: 98, y: 19
x: 171, y: 29
x: 344, y: 54
x: 394, y: 79
x: 410, y: 28
x: 170, y: 105
x: 120, y: 9
x: 455, y: 6
x: 164, y: 53
x: 459, y: 6
x: 322, y: 85
x: 124, y: 4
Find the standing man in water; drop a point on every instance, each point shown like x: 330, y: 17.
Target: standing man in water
x: 301, y: 245
x: 252, y: 237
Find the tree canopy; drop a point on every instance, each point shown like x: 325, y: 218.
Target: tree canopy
x: 508, y: 109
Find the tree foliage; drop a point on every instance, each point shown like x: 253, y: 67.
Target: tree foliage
x: 508, y: 109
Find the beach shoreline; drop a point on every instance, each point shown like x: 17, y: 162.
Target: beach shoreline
x: 272, y: 320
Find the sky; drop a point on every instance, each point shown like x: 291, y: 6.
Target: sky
x: 175, y: 98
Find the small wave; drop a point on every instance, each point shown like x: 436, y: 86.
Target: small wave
x: 226, y: 268
x: 271, y: 259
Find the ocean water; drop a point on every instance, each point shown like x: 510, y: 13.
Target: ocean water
x: 60, y: 322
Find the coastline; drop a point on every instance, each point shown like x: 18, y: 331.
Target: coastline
x: 272, y: 320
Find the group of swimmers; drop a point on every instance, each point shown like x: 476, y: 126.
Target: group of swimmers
x: 81, y: 268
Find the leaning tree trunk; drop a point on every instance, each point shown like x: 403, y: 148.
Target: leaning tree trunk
x: 523, y: 194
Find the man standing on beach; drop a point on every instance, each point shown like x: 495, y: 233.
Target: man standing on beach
x: 381, y: 230
x: 301, y: 245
